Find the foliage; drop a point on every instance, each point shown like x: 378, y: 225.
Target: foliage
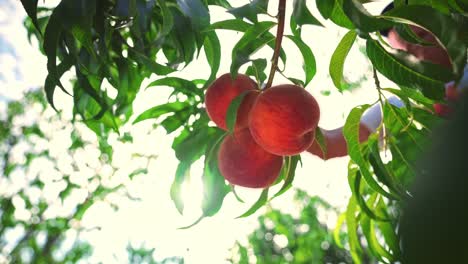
x: 124, y: 42
x: 284, y: 238
x: 46, y: 192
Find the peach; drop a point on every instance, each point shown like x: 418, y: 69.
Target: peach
x: 283, y: 119
x: 220, y: 94
x: 335, y: 142
x: 244, y: 163
x: 435, y: 54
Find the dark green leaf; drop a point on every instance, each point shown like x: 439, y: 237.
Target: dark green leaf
x: 168, y: 20
x: 51, y: 40
x: 30, y: 6
x: 325, y: 7
x: 213, y: 54
x: 231, y: 24
x: 196, y: 11
x: 362, y: 19
x: 152, y: 65
x: 302, y: 15
x: 251, y: 10
x: 338, y: 59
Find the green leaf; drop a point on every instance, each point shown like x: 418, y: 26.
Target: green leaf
x: 320, y: 138
x: 215, y: 187
x: 406, y: 33
x: 180, y: 85
x: 352, y: 226
x: 196, y: 11
x: 325, y: 7
x: 152, y: 65
x: 167, y: 19
x: 257, y: 69
x: 49, y: 85
x: 338, y: 15
x: 398, y: 67
x: 302, y: 15
x: 389, y: 234
x: 338, y: 59
x: 160, y: 110
x: 369, y: 231
x: 251, y: 41
x: 362, y: 19
x: 337, y: 231
x: 444, y: 28
x: 231, y: 24
x: 291, y: 165
x: 259, y: 203
x: 309, y: 64
x: 354, y: 178
x: 351, y: 134
x: 251, y: 10
x: 182, y: 172
x: 242, y: 26
x: 188, y: 149
x: 51, y: 40
x: 383, y: 173
x: 213, y: 54
x: 416, y: 95
x: 30, y: 6
x: 231, y: 114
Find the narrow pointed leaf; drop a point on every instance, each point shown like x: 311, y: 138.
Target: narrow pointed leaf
x: 338, y: 59
x: 259, y: 203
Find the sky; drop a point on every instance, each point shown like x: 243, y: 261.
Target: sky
x: 154, y: 220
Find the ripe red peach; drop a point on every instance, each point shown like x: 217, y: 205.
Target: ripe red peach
x: 283, y: 119
x: 220, y: 94
x: 244, y: 163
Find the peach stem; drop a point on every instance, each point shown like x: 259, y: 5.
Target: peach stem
x: 279, y: 38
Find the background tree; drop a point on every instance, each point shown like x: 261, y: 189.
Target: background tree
x: 284, y: 238
x: 123, y: 42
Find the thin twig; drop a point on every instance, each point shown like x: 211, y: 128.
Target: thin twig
x: 381, y: 101
x: 279, y: 38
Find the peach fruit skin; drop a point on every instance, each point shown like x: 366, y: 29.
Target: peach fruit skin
x: 244, y: 163
x: 283, y: 119
x: 336, y: 143
x: 220, y: 94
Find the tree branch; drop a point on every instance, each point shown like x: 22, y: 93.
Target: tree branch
x: 279, y: 38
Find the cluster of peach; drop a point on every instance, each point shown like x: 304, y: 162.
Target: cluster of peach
x: 271, y: 123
